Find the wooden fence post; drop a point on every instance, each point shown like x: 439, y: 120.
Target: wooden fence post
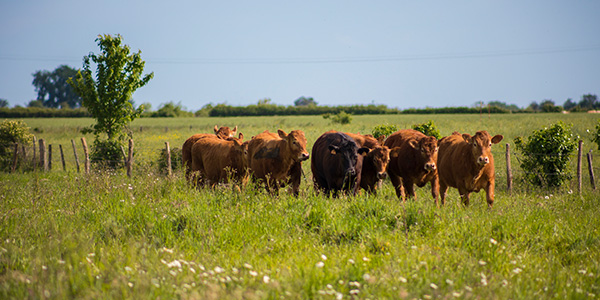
x: 130, y: 158
x: 34, y: 158
x: 43, y: 161
x: 509, y: 176
x: 15, y: 158
x: 62, y: 157
x: 86, y: 153
x: 50, y: 157
x: 591, y: 170
x: 75, y: 153
x: 579, y: 167
x: 169, y: 170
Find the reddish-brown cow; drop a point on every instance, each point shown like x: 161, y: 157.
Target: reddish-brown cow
x: 276, y: 159
x: 465, y: 162
x: 374, y: 163
x: 412, y: 161
x: 218, y: 160
x: 186, y: 149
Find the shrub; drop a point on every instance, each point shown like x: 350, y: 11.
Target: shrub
x: 107, y: 154
x: 546, y: 155
x: 386, y: 130
x: 11, y: 132
x: 342, y: 117
x: 175, y: 160
x: 596, y: 135
x: 428, y: 129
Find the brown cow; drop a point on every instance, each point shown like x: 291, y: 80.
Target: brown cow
x: 374, y: 163
x: 465, y: 162
x: 276, y: 159
x: 186, y: 149
x: 218, y: 160
x: 412, y: 161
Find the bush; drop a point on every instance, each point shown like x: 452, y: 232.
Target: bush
x: 386, y: 130
x: 342, y: 118
x: 107, y: 154
x: 175, y: 160
x: 546, y: 155
x: 429, y: 129
x: 11, y: 132
x: 596, y: 135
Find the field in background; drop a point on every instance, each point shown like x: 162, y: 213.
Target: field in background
x: 70, y: 235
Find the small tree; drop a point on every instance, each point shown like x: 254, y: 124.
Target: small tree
x: 108, y: 97
x: 596, y: 135
x: 11, y: 132
x: 342, y: 117
x: 546, y: 155
x: 428, y: 129
x: 386, y: 130
x: 303, y: 101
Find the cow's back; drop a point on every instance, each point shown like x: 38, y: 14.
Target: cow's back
x: 453, y: 160
x: 212, y: 157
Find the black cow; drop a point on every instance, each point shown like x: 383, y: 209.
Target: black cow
x: 336, y: 163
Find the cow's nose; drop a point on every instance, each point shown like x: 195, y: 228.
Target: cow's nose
x: 483, y: 160
x: 381, y: 175
x: 430, y: 167
x: 304, y: 156
x: 352, y: 171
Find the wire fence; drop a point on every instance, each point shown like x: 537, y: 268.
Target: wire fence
x: 76, y: 156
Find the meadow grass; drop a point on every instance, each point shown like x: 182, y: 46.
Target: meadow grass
x: 104, y: 235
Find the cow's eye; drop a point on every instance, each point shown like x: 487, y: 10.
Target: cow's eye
x: 474, y: 145
x: 490, y: 144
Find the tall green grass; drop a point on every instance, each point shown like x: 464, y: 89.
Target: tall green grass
x: 70, y: 235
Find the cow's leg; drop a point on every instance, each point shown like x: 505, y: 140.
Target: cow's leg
x: 464, y: 194
x: 489, y: 192
x: 435, y: 189
x: 397, y: 183
x: 409, y: 189
x: 443, y: 190
x: 295, y: 176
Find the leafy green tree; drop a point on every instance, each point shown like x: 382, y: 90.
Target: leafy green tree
x: 35, y: 103
x: 3, y: 103
x: 108, y: 97
x: 384, y: 129
x: 53, y: 88
x: 548, y: 106
x: 589, y: 101
x: 569, y: 104
x: 11, y: 131
x: 172, y: 110
x: 303, y: 101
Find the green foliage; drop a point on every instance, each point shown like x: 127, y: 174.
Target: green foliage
x: 204, y: 111
x: 175, y: 160
x: 108, y: 98
x: 171, y: 110
x: 11, y: 132
x: 546, y: 155
x: 303, y: 101
x: 107, y: 154
x: 428, y: 129
x: 43, y: 112
x: 596, y: 135
x: 3, y: 103
x: 383, y: 129
x: 53, y: 88
x: 340, y: 118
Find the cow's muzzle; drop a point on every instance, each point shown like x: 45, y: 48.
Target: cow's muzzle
x: 429, y: 167
x: 303, y: 156
x: 381, y: 175
x: 483, y: 160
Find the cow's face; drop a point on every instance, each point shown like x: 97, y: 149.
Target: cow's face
x: 481, y: 146
x: 428, y: 150
x: 224, y: 132
x: 296, y: 143
x: 241, y: 150
x: 380, y: 157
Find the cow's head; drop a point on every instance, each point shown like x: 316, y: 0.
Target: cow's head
x: 241, y: 149
x: 347, y: 152
x: 481, y: 146
x: 380, y: 156
x: 224, y: 132
x: 428, y: 149
x: 296, y: 143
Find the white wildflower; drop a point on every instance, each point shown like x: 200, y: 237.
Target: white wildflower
x: 219, y: 269
x: 253, y: 273
x: 517, y: 270
x: 366, y: 259
x: 320, y: 264
x: 323, y: 257
x: 351, y: 261
x: 354, y: 283
x: 354, y: 292
x: 247, y: 266
x: 266, y: 279
x: 366, y: 277
x: 482, y: 262
x: 449, y: 282
x: 493, y: 241
x: 402, y: 279
x: 433, y: 286
x: 174, y: 264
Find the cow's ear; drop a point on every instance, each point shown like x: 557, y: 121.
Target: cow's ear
x: 234, y: 131
x: 414, y: 144
x: 241, y: 136
x: 363, y: 151
x: 281, y: 133
x: 216, y: 129
x: 333, y: 149
x: 467, y: 137
x: 497, y: 138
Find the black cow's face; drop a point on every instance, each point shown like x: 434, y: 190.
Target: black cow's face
x: 346, y: 155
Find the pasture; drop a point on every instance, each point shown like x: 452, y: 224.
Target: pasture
x: 104, y: 235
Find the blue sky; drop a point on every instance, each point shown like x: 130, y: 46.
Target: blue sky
x: 399, y: 53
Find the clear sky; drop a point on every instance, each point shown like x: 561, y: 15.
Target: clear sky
x: 399, y: 53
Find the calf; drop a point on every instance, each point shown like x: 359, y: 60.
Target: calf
x: 465, y: 162
x: 276, y: 159
x: 374, y: 163
x: 186, y: 149
x: 336, y: 163
x: 412, y: 161
x: 218, y: 160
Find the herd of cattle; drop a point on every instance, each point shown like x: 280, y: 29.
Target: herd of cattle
x: 345, y: 162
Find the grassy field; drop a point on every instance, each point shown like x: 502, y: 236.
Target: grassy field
x: 70, y: 235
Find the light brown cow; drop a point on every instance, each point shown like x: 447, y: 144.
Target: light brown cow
x: 412, y: 161
x: 465, y: 162
x: 186, y: 149
x: 375, y: 162
x: 276, y: 159
x: 219, y: 160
